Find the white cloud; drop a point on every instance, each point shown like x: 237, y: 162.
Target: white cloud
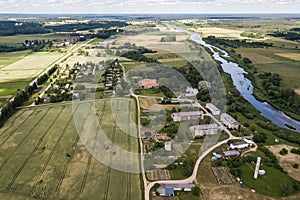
x: 149, y: 6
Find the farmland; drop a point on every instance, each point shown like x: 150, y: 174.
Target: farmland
x: 42, y: 156
x: 284, y: 62
x: 19, y: 69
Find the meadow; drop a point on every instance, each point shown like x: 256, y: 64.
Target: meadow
x: 43, y: 157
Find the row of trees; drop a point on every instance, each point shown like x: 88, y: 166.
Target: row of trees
x: 237, y: 43
x: 23, y: 95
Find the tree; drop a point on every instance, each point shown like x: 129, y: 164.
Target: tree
x: 196, y: 191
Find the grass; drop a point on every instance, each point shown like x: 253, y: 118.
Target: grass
x: 270, y: 184
x: 42, y: 157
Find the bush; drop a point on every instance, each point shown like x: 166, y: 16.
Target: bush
x: 196, y: 191
x: 296, y: 165
x: 284, y: 151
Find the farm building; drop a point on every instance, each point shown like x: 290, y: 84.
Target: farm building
x: 225, y: 154
x: 206, y: 129
x: 168, y: 146
x: 168, y: 189
x: 186, y: 116
x: 229, y: 121
x: 213, y: 109
x: 190, y: 92
x: 149, y: 83
x: 239, y: 145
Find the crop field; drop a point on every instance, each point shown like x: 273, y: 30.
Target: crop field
x: 11, y: 57
x: 21, y: 38
x: 281, y: 61
x: 43, y: 157
x: 222, y: 175
x: 28, y: 67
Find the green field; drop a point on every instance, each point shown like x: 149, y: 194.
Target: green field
x: 269, y: 60
x: 9, y: 58
x: 42, y: 156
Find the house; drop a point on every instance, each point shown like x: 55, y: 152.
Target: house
x: 190, y: 92
x: 165, y: 191
x: 229, y: 121
x: 168, y: 146
x: 186, y: 116
x: 213, y: 109
x: 239, y: 145
x: 149, y: 83
x: 168, y: 189
x: 206, y: 129
x: 67, y: 86
x: 225, y: 154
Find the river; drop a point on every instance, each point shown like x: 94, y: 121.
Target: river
x: 244, y: 85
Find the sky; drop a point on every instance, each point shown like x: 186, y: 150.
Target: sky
x: 149, y: 6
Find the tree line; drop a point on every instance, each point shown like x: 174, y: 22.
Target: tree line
x: 23, y: 95
x: 237, y: 43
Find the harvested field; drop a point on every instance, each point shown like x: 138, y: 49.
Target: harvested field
x: 28, y: 67
x: 292, y: 56
x: 287, y: 161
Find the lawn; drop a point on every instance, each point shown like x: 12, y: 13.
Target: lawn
x: 41, y: 156
x: 271, y: 184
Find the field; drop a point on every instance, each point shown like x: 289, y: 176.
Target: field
x: 19, y: 69
x: 284, y: 62
x: 222, y: 175
x: 287, y: 161
x: 21, y: 38
x: 42, y: 156
x: 159, y: 174
x: 28, y: 67
x: 9, y: 58
x: 212, y: 190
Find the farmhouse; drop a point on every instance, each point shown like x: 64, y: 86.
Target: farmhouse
x: 229, y: 121
x: 190, y: 92
x: 186, y: 116
x: 168, y: 189
x: 149, y: 83
x: 240, y: 145
x: 168, y: 146
x: 213, y: 109
x: 225, y: 154
x: 206, y: 129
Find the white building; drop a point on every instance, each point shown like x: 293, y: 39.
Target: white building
x: 168, y: 146
x: 213, y: 109
x: 206, y: 129
x: 190, y: 92
x: 229, y: 121
x: 241, y: 145
x: 186, y: 116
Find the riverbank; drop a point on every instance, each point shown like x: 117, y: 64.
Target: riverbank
x: 258, y: 90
